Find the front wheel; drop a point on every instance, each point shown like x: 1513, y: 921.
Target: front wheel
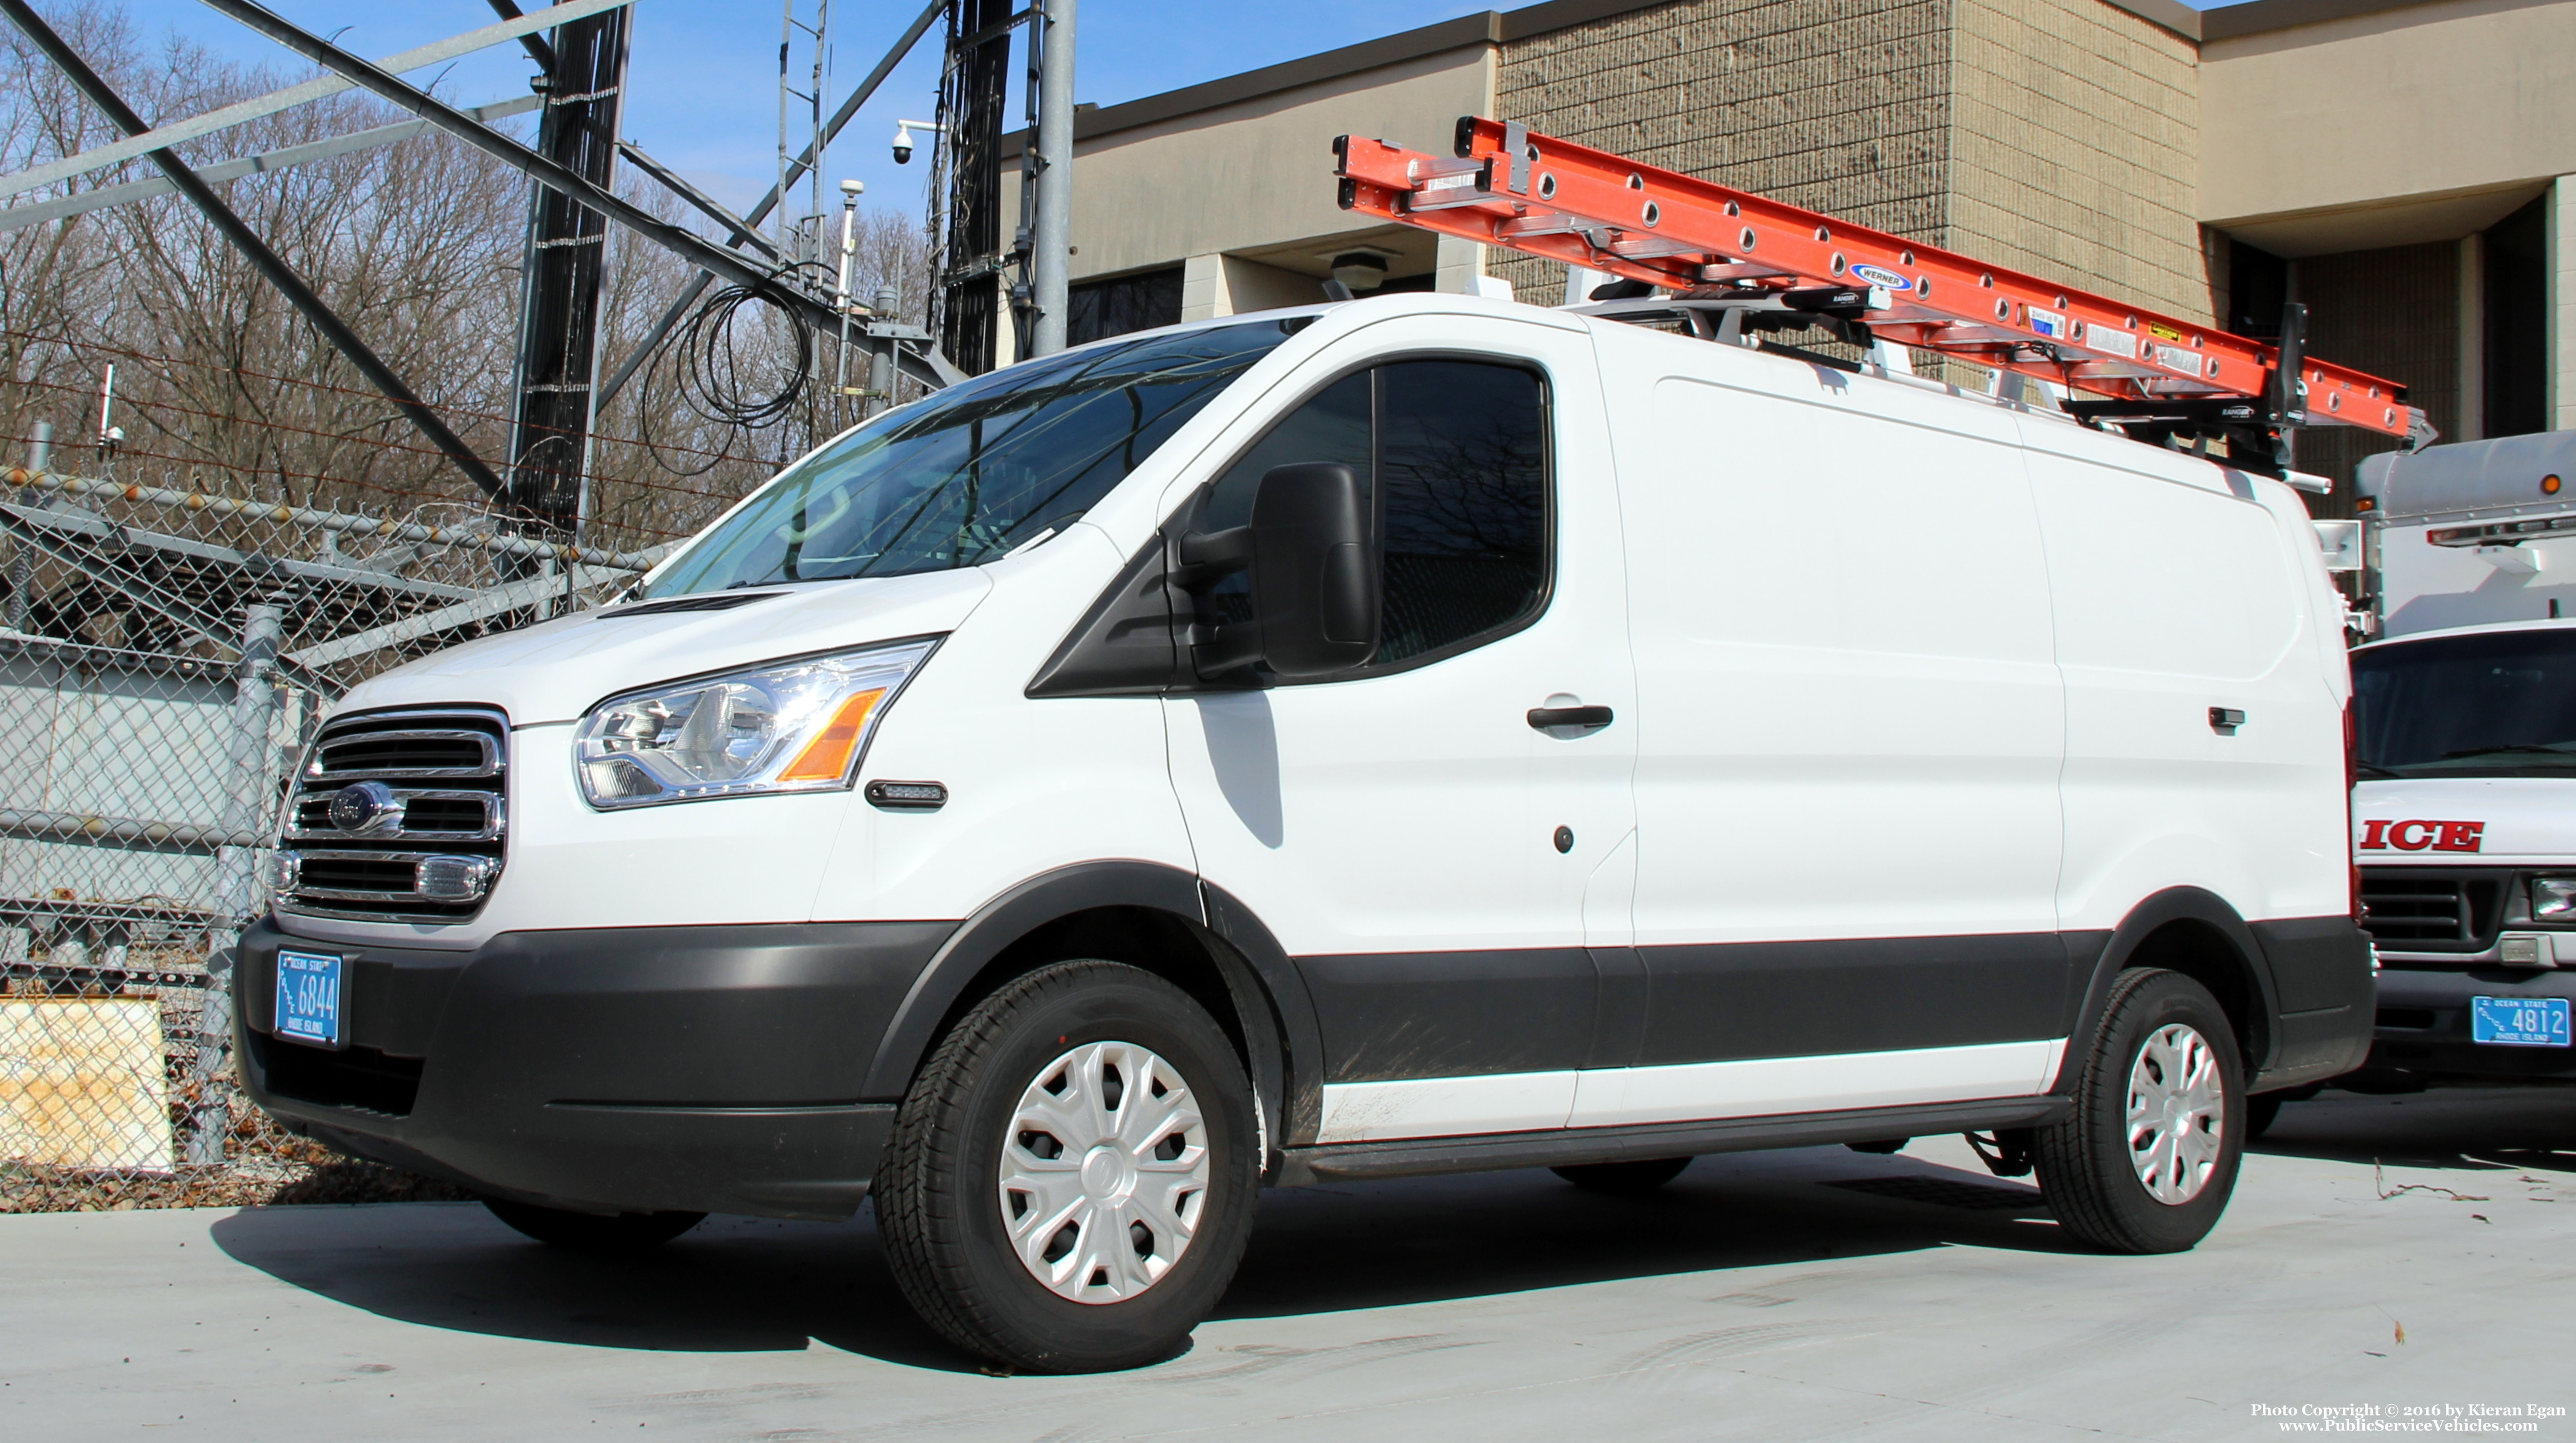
x: 2148, y: 1160
x: 1072, y: 1176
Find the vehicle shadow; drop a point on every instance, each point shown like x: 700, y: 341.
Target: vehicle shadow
x: 748, y: 1284
x: 1380, y: 1244
x: 2471, y: 1128
x: 730, y: 1285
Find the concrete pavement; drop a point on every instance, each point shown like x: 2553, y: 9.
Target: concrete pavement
x: 1810, y: 1294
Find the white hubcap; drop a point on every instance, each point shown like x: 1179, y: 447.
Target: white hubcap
x: 2177, y: 1113
x: 1104, y: 1172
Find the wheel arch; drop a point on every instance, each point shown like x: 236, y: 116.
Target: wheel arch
x: 2195, y: 932
x: 1148, y: 915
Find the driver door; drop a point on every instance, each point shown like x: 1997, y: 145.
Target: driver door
x: 1419, y: 846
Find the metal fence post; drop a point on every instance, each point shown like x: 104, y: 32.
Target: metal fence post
x: 250, y: 762
x: 22, y: 565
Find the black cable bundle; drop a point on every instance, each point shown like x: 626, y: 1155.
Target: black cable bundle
x: 711, y: 370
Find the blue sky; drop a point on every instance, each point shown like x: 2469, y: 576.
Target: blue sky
x: 706, y: 71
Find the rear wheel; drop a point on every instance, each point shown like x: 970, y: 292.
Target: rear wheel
x: 2148, y: 1160
x: 604, y: 1234
x: 1623, y: 1179
x: 1072, y: 1176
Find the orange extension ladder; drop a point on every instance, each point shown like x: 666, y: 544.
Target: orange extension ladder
x: 1760, y: 264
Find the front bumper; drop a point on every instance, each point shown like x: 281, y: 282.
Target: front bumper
x: 2424, y: 1022
x: 704, y: 1069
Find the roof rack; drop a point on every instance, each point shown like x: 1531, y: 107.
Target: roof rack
x: 1763, y: 265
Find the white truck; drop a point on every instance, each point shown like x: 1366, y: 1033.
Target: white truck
x: 2464, y: 814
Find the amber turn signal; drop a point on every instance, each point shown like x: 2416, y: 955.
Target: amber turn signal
x: 827, y: 757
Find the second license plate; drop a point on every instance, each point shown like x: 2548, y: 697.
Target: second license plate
x: 2518, y: 1021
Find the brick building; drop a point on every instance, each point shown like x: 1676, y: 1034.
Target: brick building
x: 2406, y: 169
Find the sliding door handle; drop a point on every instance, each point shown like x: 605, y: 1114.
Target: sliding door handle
x: 1590, y: 718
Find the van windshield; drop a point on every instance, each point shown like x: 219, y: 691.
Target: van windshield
x: 2495, y: 705
x: 974, y: 471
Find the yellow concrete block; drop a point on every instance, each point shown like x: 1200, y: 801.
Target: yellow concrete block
x: 82, y: 1084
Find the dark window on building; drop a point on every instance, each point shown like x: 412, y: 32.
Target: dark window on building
x: 1455, y: 455
x: 2516, y: 378
x: 1101, y: 309
x: 2258, y: 286
x: 2394, y: 313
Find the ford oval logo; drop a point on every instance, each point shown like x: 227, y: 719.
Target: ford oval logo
x: 1882, y: 276
x: 365, y: 807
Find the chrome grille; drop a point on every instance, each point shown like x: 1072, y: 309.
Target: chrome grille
x: 2434, y: 909
x: 398, y: 817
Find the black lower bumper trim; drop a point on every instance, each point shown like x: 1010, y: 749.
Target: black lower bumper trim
x: 702, y: 1069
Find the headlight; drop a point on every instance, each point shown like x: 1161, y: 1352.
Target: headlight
x: 2553, y: 899
x: 796, y: 727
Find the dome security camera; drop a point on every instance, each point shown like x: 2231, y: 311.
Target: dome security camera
x: 903, y: 130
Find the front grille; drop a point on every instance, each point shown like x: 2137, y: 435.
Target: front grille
x: 2434, y: 909
x: 400, y: 817
x: 360, y: 1077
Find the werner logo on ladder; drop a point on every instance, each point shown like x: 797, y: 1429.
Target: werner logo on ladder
x: 1747, y: 257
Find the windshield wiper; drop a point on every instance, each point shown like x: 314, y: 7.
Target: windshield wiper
x: 2374, y: 769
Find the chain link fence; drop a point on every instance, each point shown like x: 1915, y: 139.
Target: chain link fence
x: 173, y: 635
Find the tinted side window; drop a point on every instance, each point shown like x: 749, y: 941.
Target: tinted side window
x: 1455, y: 454
x: 1462, y: 500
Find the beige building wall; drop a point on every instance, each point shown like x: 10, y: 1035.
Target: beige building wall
x: 2054, y: 135
x: 2387, y: 129
x: 1838, y: 105
x: 2073, y: 126
x: 1258, y: 173
x: 2562, y: 302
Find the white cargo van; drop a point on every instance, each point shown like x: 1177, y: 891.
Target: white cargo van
x: 1423, y: 734
x: 2465, y: 815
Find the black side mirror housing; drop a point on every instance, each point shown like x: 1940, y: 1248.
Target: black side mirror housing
x: 1315, y: 602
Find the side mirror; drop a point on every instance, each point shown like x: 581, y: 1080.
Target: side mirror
x: 1315, y: 604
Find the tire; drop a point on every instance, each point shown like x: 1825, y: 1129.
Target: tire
x: 601, y: 1235
x: 948, y: 1213
x: 2261, y: 1112
x: 2089, y: 1169
x: 1623, y: 1179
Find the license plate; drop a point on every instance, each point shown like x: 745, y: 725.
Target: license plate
x: 308, y: 997
x: 2518, y: 1021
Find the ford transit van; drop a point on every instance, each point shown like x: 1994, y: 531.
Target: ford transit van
x: 1423, y: 734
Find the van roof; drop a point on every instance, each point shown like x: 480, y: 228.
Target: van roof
x: 1367, y: 309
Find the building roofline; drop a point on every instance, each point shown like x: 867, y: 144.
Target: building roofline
x: 2262, y: 16
x: 1493, y: 27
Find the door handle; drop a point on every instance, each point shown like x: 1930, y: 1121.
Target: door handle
x: 1590, y: 718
